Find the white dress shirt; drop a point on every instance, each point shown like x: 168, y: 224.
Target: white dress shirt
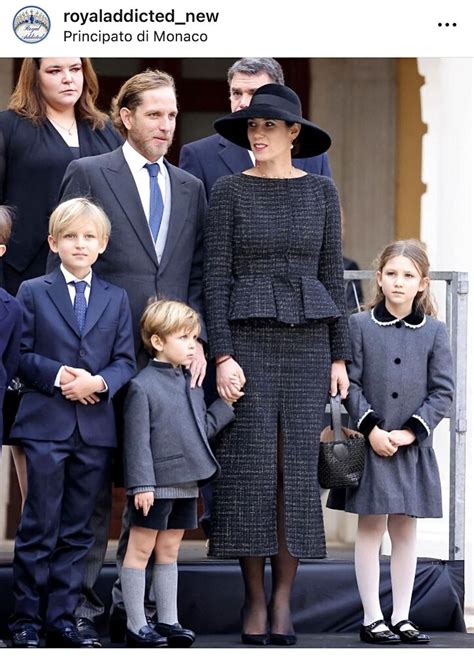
x: 71, y: 278
x: 136, y: 163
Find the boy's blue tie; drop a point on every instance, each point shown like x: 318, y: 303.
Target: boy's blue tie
x: 80, y: 304
x: 156, y: 200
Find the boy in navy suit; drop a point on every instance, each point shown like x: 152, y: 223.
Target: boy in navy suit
x: 76, y: 352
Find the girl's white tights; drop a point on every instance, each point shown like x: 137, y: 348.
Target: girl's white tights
x: 402, y: 531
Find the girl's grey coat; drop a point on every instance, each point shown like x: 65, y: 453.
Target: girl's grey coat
x: 167, y: 428
x: 401, y: 376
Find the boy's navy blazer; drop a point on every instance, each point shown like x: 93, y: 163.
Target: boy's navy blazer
x: 51, y: 338
x: 10, y: 331
x: 213, y: 157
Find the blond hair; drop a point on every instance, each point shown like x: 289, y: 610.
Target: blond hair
x: 415, y: 251
x: 163, y: 318
x: 130, y: 94
x: 78, y: 208
x: 27, y: 99
x: 6, y: 215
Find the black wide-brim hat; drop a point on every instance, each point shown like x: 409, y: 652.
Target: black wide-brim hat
x: 275, y: 101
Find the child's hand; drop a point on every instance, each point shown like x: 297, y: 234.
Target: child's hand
x: 380, y: 442
x: 144, y: 500
x: 401, y: 437
x: 84, y: 386
x: 66, y: 376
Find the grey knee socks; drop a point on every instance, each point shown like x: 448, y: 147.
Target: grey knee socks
x: 133, y: 591
x: 165, y: 587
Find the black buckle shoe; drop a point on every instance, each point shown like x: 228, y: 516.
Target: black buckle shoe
x: 146, y: 637
x: 367, y: 634
x: 69, y: 636
x: 177, y: 635
x: 25, y: 636
x: 411, y: 636
x: 87, y: 630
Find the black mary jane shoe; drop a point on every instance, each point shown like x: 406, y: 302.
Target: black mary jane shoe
x: 282, y: 639
x: 367, y: 634
x: 25, y: 636
x: 176, y: 634
x: 146, y: 637
x: 411, y: 636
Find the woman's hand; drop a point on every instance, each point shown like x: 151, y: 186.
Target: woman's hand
x: 144, y: 500
x: 230, y: 379
x: 339, y: 379
x: 401, y: 437
x: 381, y: 443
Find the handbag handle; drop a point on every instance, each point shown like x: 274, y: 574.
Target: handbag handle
x: 336, y: 421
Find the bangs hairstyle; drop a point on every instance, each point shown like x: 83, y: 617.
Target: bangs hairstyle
x: 27, y: 100
x: 163, y: 318
x: 6, y: 219
x: 78, y: 208
x: 415, y: 251
x: 130, y: 93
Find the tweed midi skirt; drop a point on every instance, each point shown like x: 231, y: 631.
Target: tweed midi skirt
x: 287, y: 368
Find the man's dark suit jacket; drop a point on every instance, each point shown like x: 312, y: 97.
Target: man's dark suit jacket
x: 50, y: 338
x: 129, y: 260
x: 212, y: 157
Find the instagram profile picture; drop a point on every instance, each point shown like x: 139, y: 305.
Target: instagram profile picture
x: 31, y: 24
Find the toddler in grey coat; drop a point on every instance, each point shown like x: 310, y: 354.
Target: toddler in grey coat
x: 166, y: 457
x: 401, y: 386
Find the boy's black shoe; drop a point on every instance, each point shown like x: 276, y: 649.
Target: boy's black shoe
x: 146, y: 637
x: 87, y: 630
x: 67, y: 637
x: 177, y: 635
x: 25, y: 636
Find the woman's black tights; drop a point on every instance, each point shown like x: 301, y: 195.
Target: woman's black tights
x: 255, y: 616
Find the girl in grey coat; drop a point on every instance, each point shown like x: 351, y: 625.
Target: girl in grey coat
x: 401, y: 386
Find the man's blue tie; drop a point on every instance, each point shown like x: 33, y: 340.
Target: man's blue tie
x: 80, y: 304
x: 156, y: 200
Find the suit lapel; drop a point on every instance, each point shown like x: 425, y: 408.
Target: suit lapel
x: 122, y: 185
x: 98, y: 300
x: 236, y: 159
x: 59, y: 294
x: 180, y: 199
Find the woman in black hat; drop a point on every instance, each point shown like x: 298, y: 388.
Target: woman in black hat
x: 278, y: 332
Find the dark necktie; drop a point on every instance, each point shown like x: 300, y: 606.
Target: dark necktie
x: 156, y: 200
x: 80, y: 304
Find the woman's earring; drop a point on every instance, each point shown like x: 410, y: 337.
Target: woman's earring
x: 291, y: 146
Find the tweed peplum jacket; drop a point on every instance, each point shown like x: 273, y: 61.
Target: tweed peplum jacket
x: 266, y: 262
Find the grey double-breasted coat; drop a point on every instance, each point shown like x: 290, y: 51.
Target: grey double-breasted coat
x: 401, y: 376
x: 167, y: 428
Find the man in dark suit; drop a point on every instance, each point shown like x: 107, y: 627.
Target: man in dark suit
x: 212, y: 157
x: 145, y: 261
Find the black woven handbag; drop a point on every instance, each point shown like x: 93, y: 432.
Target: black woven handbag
x: 341, y: 452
